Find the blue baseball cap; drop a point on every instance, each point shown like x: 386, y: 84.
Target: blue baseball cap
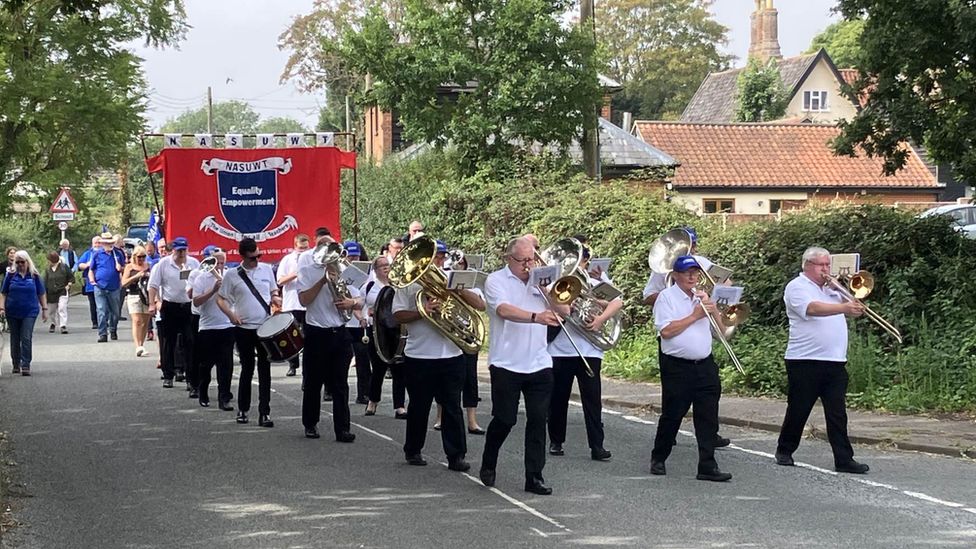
x: 685, y: 263
x: 441, y: 247
x: 210, y: 250
x: 353, y: 248
x: 691, y: 231
x: 180, y: 243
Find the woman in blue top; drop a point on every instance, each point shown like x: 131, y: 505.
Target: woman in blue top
x: 22, y: 296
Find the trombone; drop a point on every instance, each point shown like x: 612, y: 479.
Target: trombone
x: 859, y: 286
x: 564, y: 271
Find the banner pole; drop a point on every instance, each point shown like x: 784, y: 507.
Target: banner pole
x: 152, y: 185
x: 355, y: 203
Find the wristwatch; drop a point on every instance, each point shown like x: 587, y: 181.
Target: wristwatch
x: 532, y: 318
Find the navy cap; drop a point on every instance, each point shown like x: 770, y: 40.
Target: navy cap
x: 684, y: 263
x: 180, y: 243
x: 441, y: 247
x: 353, y: 248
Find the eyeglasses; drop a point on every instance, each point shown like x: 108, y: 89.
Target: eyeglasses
x: 820, y: 264
x: 522, y: 260
x: 255, y: 256
x: 20, y: 262
x: 140, y: 257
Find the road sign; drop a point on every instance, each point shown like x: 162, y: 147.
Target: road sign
x: 63, y: 226
x: 63, y: 216
x: 63, y: 203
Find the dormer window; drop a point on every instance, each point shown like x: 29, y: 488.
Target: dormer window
x: 815, y: 101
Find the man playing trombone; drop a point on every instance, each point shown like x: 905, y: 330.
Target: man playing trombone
x: 689, y: 375
x: 816, y: 356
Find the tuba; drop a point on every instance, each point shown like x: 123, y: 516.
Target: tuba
x: 573, y: 288
x: 457, y: 320
x: 332, y: 257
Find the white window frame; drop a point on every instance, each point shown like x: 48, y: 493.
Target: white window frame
x: 815, y: 101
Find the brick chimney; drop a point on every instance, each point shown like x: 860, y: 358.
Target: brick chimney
x: 764, y: 42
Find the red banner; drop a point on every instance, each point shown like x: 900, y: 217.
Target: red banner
x: 219, y: 196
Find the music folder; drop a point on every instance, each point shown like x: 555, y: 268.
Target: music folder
x: 606, y: 292
x: 719, y: 273
x: 543, y: 275
x: 727, y: 295
x: 354, y: 277
x: 466, y: 280
x: 844, y: 264
x: 476, y: 262
x: 602, y: 263
x: 364, y: 266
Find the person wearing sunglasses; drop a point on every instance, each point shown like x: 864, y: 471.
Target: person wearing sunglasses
x: 22, y: 297
x: 135, y: 279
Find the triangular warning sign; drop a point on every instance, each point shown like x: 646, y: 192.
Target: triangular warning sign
x: 63, y: 203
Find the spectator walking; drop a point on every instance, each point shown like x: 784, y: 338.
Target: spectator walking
x: 22, y: 297
x: 105, y: 275
x: 57, y: 280
x: 68, y: 256
x: 135, y: 280
x: 84, y: 264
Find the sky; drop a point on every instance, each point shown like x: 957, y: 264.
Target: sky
x: 233, y: 47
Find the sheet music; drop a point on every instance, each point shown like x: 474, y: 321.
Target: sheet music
x: 727, y: 295
x: 605, y: 291
x: 462, y: 280
x: 364, y: 266
x: 476, y: 262
x: 844, y: 264
x: 354, y: 277
x: 602, y: 263
x: 719, y: 273
x: 543, y: 275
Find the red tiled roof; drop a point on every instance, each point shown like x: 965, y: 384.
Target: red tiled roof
x: 771, y: 155
x: 849, y: 75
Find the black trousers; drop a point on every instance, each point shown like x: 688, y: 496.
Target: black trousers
x: 361, y: 352
x: 440, y: 380
x: 249, y: 349
x: 469, y: 393
x: 327, y: 354
x: 506, y: 389
x: 378, y: 374
x: 686, y: 383
x: 92, y: 310
x: 809, y: 380
x: 564, y: 371
x: 300, y: 317
x: 177, y: 332
x: 215, y: 348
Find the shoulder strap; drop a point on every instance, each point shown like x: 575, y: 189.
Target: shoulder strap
x: 254, y: 291
x: 369, y: 285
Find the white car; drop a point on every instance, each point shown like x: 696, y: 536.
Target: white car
x: 963, y: 217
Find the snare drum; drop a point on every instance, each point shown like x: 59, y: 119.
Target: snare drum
x: 281, y: 336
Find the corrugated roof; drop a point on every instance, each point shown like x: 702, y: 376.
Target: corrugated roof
x: 772, y: 155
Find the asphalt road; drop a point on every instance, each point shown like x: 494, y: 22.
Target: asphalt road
x: 108, y: 458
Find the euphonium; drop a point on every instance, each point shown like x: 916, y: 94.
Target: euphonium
x: 332, y: 257
x: 573, y: 288
x: 457, y: 320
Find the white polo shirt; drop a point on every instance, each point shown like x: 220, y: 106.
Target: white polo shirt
x: 305, y: 258
x: 814, y: 337
x: 515, y: 346
x: 247, y: 307
x: 695, y: 343
x: 561, y: 346
x: 169, y: 279
x: 322, y: 312
x: 371, y: 295
x: 289, y: 292
x: 658, y: 282
x: 211, y: 317
x: 424, y: 341
x: 354, y: 322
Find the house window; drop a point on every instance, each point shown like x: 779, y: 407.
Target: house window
x: 718, y: 205
x: 815, y: 101
x: 775, y: 205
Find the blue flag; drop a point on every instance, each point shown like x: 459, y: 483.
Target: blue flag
x: 153, y: 233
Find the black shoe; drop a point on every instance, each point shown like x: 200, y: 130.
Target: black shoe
x: 50, y: 330
x: 194, y: 393
x: 26, y: 373
x: 122, y: 318
x: 327, y: 398
x: 400, y: 415
x: 784, y: 459
x: 264, y: 420
x: 476, y: 431
x: 600, y: 454
x: 291, y: 372
x: 168, y: 383
x: 369, y: 412
x: 416, y: 459
x: 94, y: 326
x: 242, y: 417
x: 16, y: 369
x: 537, y: 486
x: 437, y: 426
x: 853, y: 467
x: 487, y: 477
x: 225, y: 406
x: 311, y: 432
x: 722, y: 442
x: 102, y: 339
x: 714, y: 475
x: 345, y: 437
x: 458, y: 465
x: 114, y: 336
x: 362, y: 400
x: 64, y: 329
x: 204, y: 403
x: 180, y: 377
x: 658, y: 468
x: 556, y: 449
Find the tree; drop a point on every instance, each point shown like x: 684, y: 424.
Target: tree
x: 761, y: 96
x: 660, y: 52
x: 842, y: 40
x: 521, y: 76
x: 71, y: 93
x: 917, y: 58
x: 228, y: 117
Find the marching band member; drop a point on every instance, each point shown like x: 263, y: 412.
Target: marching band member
x: 288, y: 280
x: 357, y: 326
x: 689, y: 375
x: 167, y: 292
x: 519, y: 363
x: 322, y: 236
x: 435, y: 370
x: 381, y: 268
x: 328, y: 350
x: 393, y: 247
x: 215, y: 340
x: 567, y: 365
x: 415, y: 229
x: 816, y: 356
x: 247, y: 296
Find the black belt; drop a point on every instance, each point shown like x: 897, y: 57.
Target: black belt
x: 330, y: 330
x: 687, y: 361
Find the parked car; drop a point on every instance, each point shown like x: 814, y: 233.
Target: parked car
x: 136, y: 234
x: 963, y: 217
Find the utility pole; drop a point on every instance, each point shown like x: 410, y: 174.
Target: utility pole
x: 349, y: 145
x: 591, y: 139
x: 209, y: 110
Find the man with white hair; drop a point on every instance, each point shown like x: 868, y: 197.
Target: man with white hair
x: 67, y: 254
x: 416, y: 229
x: 84, y: 263
x: 816, y: 357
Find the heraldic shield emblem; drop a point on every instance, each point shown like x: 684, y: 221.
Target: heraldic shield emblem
x: 247, y: 192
